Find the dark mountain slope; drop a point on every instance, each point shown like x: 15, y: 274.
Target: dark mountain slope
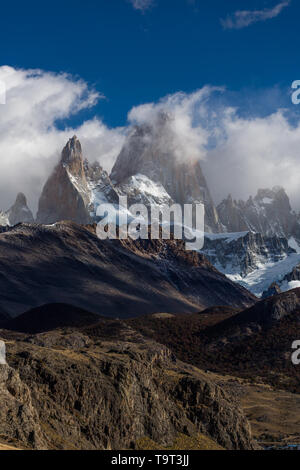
x: 49, y: 317
x: 261, y: 316
x: 67, y: 263
x: 4, y: 317
x: 255, y: 344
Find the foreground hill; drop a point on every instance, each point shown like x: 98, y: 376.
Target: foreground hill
x: 105, y: 386
x: 4, y: 317
x: 49, y: 317
x: 67, y: 263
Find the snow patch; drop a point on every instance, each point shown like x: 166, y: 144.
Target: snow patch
x: 228, y: 236
x: 285, y: 286
x: 260, y: 280
x: 294, y: 245
x: 267, y: 200
x: 147, y: 186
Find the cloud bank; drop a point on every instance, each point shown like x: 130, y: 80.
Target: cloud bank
x: 239, y: 152
x: 244, y: 18
x: 172, y: 121
x: 31, y: 139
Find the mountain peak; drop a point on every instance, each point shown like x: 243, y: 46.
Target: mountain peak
x: 277, y: 192
x: 72, y: 158
x: 20, y: 212
x: 148, y: 151
x: 21, y: 199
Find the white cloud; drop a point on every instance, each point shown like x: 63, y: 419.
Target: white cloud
x: 180, y: 137
x: 244, y: 18
x: 238, y: 154
x: 30, y: 138
x: 255, y: 153
x: 141, y: 5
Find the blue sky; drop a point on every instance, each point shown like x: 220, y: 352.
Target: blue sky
x: 134, y: 56
x: 138, y: 55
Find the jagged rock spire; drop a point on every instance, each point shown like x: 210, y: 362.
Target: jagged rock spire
x: 72, y: 157
x: 65, y: 194
x: 72, y: 189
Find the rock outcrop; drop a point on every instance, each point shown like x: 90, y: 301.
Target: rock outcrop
x: 274, y: 289
x: 18, y: 417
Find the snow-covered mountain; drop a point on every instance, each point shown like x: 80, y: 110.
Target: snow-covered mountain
x: 253, y: 260
x: 243, y: 252
x: 255, y: 243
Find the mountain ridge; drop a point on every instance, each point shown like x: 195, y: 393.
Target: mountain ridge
x: 67, y: 263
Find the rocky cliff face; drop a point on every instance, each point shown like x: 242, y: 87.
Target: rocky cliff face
x: 18, y: 417
x: 268, y: 213
x: 74, y: 189
x: 106, y: 387
x: 20, y: 212
x: 149, y: 151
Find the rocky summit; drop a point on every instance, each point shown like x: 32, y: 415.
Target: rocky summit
x: 74, y: 189
x: 20, y: 212
x: 149, y: 151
